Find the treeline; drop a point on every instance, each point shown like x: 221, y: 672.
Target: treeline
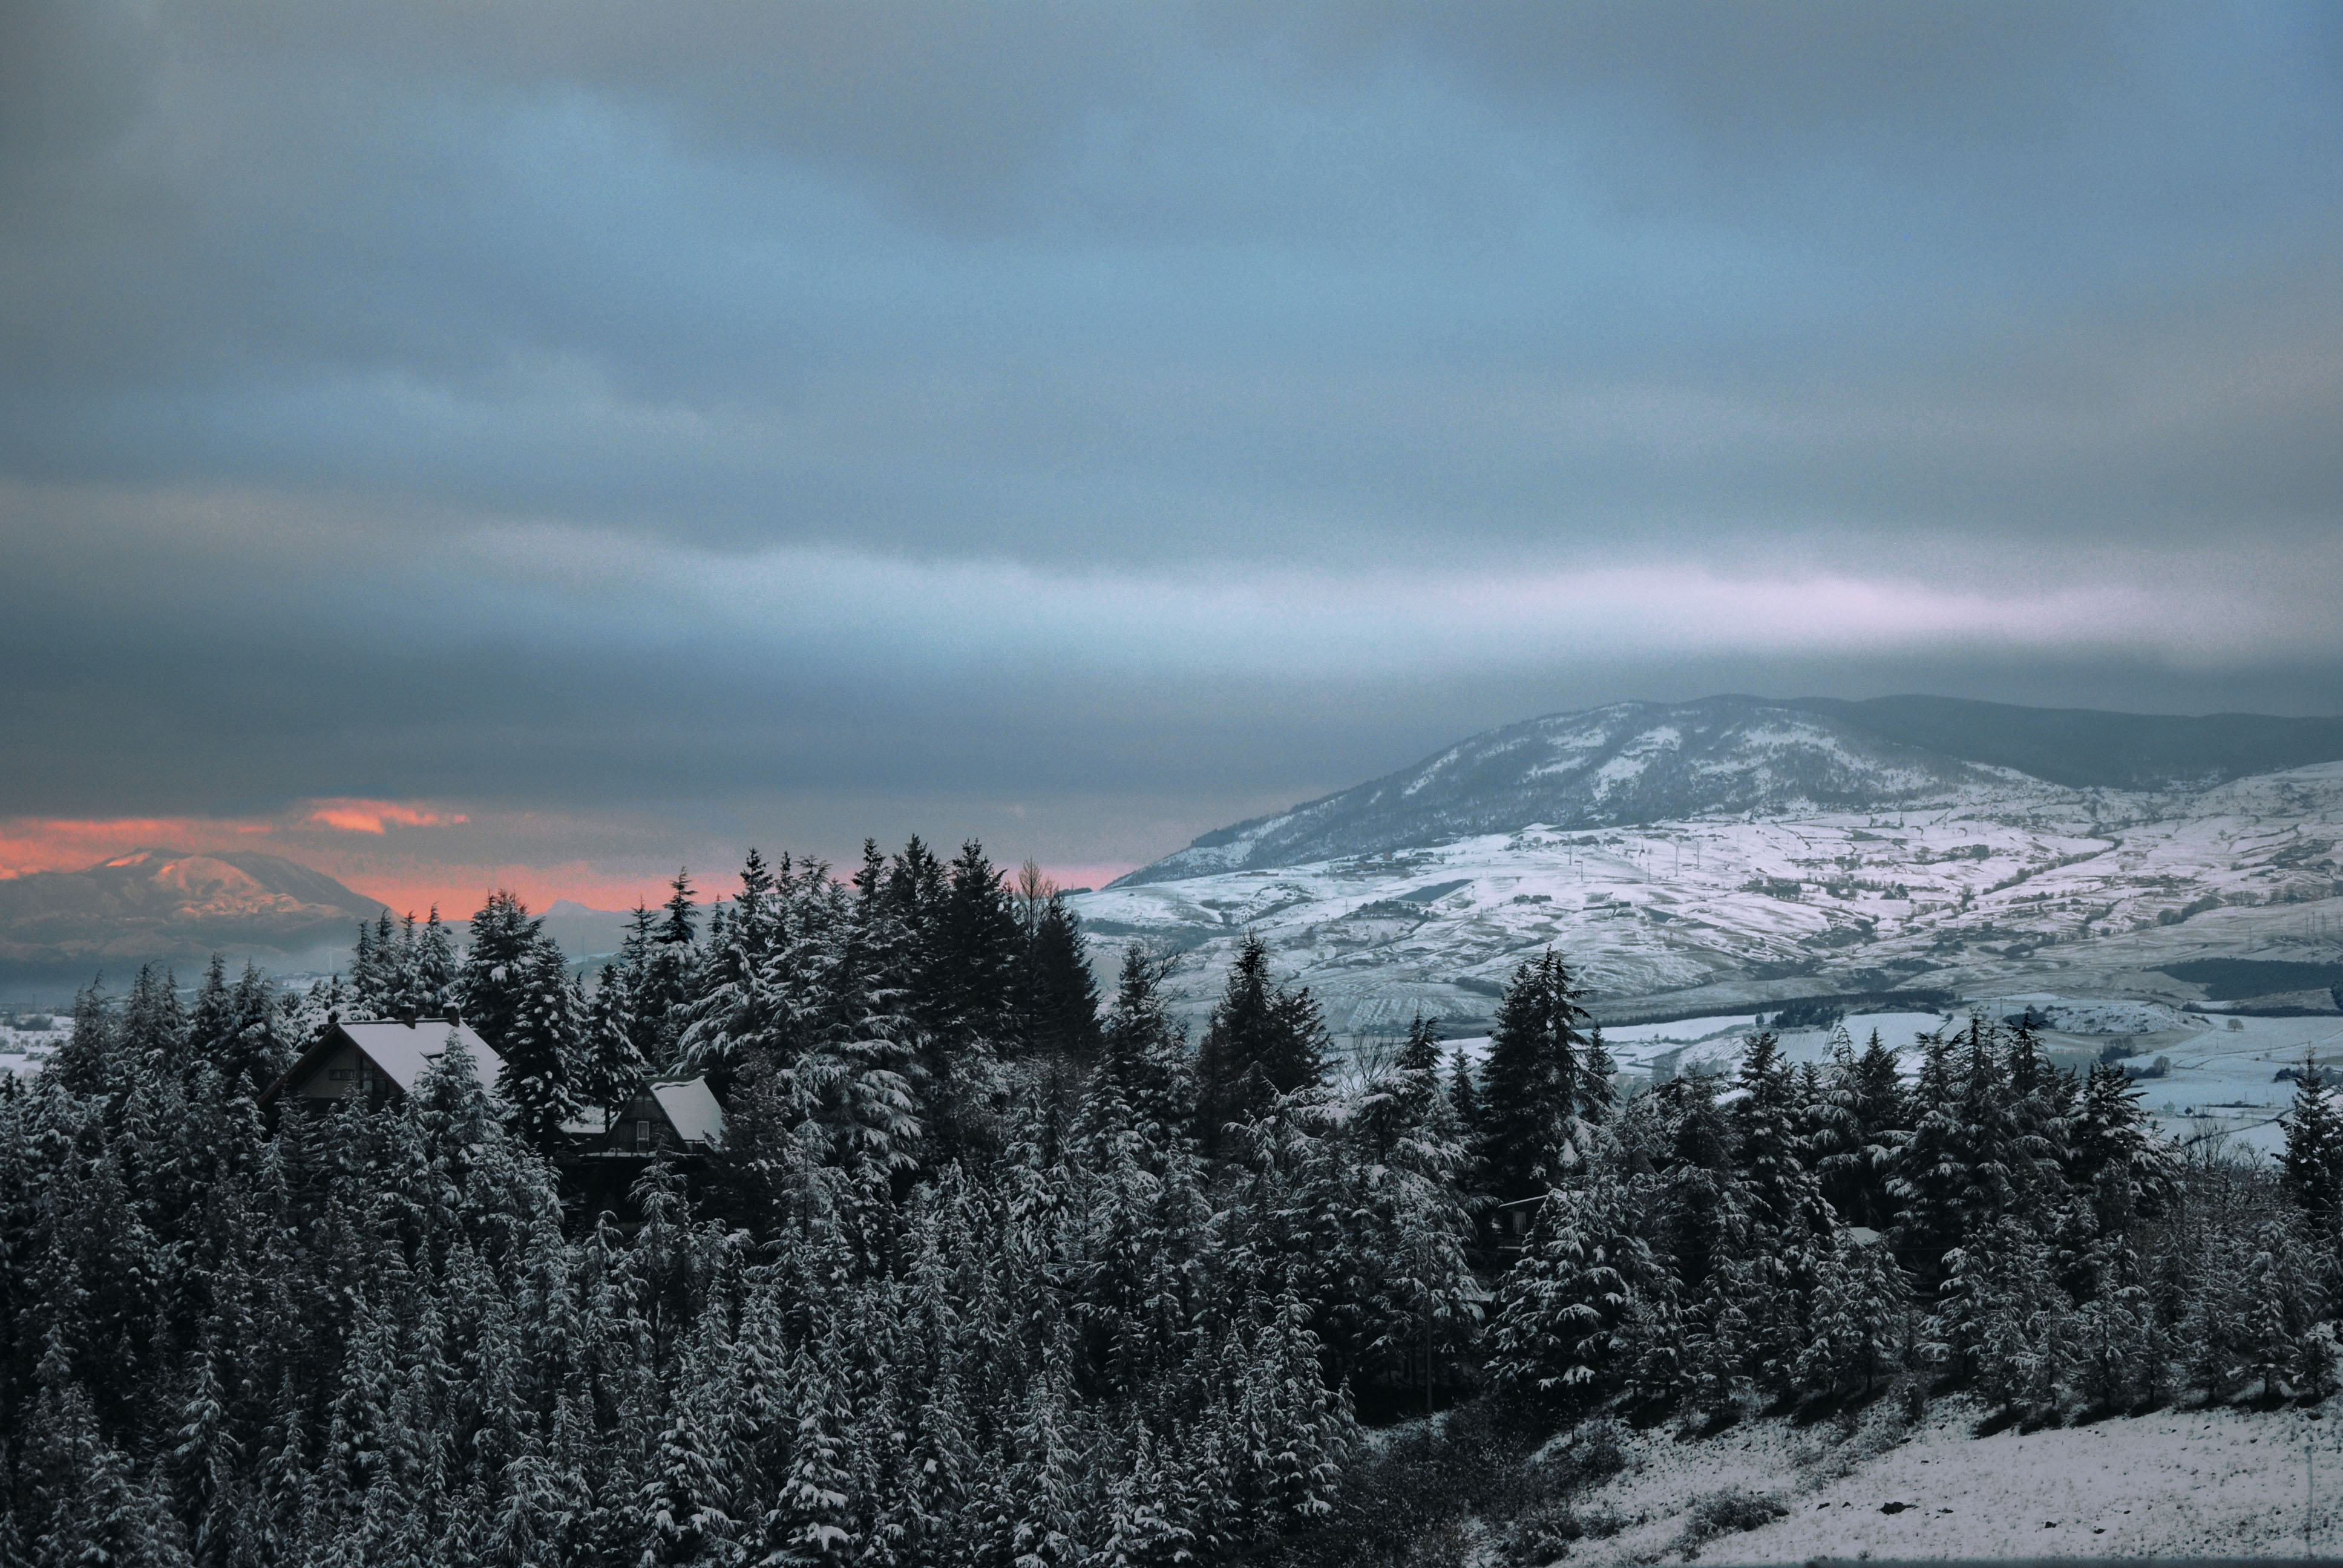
x: 962, y: 1286
x: 993, y: 1270
x: 1801, y: 1235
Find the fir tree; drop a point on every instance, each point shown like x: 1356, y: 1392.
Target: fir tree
x: 1463, y: 1096
x: 1262, y: 1040
x: 1145, y: 1085
x: 1929, y: 1180
x: 430, y: 976
x: 540, y: 1081
x: 1061, y: 994
x: 1565, y: 1305
x: 1860, y: 1326
x: 974, y: 957
x: 2313, y: 1161
x: 1769, y: 1146
x: 611, y: 1070
x: 496, y: 983
x: 1532, y: 1087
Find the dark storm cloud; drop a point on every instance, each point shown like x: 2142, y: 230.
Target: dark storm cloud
x: 605, y: 404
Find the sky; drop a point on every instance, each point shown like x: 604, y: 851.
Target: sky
x: 545, y: 443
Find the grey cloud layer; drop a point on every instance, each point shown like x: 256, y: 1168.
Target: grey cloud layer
x: 344, y: 350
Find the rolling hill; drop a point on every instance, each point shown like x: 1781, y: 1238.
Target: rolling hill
x: 1736, y: 851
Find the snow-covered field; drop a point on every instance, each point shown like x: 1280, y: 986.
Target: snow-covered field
x: 2204, y: 1483
x: 2078, y: 895
x: 23, y: 1049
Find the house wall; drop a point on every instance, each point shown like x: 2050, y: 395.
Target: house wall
x: 342, y: 1075
x: 641, y: 1127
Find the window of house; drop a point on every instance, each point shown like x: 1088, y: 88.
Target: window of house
x: 642, y: 1135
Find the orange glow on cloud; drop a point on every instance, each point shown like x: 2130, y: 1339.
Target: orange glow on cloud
x: 347, y: 839
x: 29, y: 844
x: 374, y: 816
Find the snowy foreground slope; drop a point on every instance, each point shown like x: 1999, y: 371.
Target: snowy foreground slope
x: 2002, y: 887
x: 2202, y: 1483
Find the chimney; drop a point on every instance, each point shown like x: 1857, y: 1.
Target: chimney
x: 407, y: 1016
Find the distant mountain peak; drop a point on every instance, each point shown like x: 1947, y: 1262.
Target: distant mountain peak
x: 160, y: 904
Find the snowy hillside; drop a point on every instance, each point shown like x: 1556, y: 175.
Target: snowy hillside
x: 1632, y: 762
x: 1637, y: 763
x: 1997, y: 887
x: 2178, y: 1482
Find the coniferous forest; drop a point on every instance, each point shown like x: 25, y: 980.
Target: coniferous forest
x: 993, y: 1269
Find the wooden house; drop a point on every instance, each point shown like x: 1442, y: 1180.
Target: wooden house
x: 379, y: 1061
x: 673, y: 1115
x: 607, y: 1150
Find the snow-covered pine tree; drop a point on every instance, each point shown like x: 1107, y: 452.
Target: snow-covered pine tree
x: 240, y: 1031
x: 738, y: 1013
x: 495, y: 983
x: 1145, y: 1084
x: 378, y: 969
x: 1564, y: 1307
x: 2115, y: 1153
x: 209, y: 1026
x: 155, y: 1029
x: 611, y: 1072
x: 1995, y: 1151
x: 540, y: 1081
x: 2288, y: 1345
x: 429, y: 980
x: 2313, y: 1161
x: 1262, y: 1040
x: 668, y: 976
x: 1532, y: 1086
x: 1411, y: 1216
x: 857, y: 1073
x: 1464, y: 1096
x: 2002, y: 1320
x: 1786, y: 1200
x: 1059, y: 995
x: 2120, y: 1348
x: 974, y: 957
x: 1928, y: 1178
x: 1860, y: 1328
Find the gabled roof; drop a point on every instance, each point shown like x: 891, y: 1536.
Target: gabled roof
x: 687, y: 1103
x: 691, y: 1109
x: 404, y: 1051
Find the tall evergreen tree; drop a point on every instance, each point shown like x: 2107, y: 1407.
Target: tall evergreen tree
x: 1464, y: 1095
x: 1061, y: 994
x: 1533, y: 1086
x: 664, y: 985
x: 1567, y: 1311
x: 495, y: 982
x: 541, y: 1077
x: 2313, y: 1161
x: 430, y: 972
x: 611, y: 1071
x: 1262, y: 1040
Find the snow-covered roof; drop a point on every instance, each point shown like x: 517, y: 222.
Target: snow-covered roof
x: 691, y: 1109
x: 405, y: 1051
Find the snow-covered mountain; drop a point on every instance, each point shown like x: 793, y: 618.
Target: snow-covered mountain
x: 1723, y: 853
x: 1645, y: 762
x: 174, y: 907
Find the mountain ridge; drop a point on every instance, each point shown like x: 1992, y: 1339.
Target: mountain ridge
x: 173, y: 906
x: 1639, y: 762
